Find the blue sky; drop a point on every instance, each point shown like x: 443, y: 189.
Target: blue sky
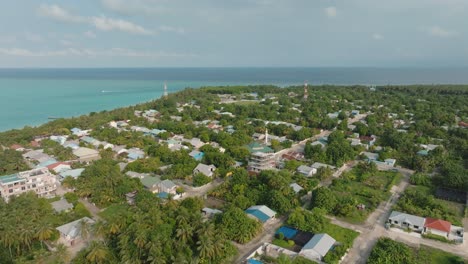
x: 231, y: 33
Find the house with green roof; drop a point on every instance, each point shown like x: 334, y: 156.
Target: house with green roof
x: 151, y: 183
x: 257, y: 147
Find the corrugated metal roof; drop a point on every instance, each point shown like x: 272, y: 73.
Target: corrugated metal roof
x: 407, y: 218
x: 320, y: 243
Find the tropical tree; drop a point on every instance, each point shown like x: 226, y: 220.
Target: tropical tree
x: 44, y: 232
x: 97, y: 252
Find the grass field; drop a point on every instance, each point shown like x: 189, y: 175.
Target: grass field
x: 113, y: 211
x: 436, y: 256
x: 369, y: 189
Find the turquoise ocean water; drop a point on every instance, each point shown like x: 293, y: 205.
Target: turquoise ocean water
x: 30, y: 96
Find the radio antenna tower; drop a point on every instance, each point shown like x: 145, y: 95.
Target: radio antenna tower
x: 306, y: 93
x: 165, y: 90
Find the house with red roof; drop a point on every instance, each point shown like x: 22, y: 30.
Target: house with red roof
x: 59, y: 167
x: 17, y: 147
x: 35, y: 144
x: 437, y: 227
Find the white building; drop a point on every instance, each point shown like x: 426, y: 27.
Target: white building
x: 40, y: 181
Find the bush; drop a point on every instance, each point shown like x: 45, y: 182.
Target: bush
x: 200, y: 180
x: 438, y: 238
x: 71, y: 198
x: 81, y: 211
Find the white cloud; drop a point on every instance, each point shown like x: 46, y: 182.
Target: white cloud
x: 134, y: 7
x: 89, y: 34
x: 437, y: 31
x: 172, y: 29
x: 114, y: 52
x: 102, y: 23
x: 109, y: 24
x: 330, y: 11
x: 57, y: 13
x: 377, y: 36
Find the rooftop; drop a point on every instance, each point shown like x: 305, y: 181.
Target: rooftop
x: 438, y: 224
x: 9, y: 178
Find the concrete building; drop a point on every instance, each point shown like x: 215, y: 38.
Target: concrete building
x: 437, y: 227
x: 86, y: 154
x: 317, y: 247
x: 207, y: 170
x: 261, y: 212
x: 306, y: 170
x: 260, y: 161
x: 402, y: 220
x: 40, y: 181
x: 73, y: 232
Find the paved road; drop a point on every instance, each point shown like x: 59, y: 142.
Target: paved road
x: 373, y: 228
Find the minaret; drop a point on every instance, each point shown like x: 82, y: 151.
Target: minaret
x: 165, y: 90
x: 306, y: 93
x: 266, y: 136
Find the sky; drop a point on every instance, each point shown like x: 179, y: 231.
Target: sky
x: 233, y: 33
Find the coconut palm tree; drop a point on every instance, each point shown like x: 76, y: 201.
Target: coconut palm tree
x: 85, y: 228
x: 184, y: 232
x: 100, y: 229
x: 205, y: 247
x: 61, y: 253
x: 8, y: 238
x: 98, y: 252
x: 26, y: 236
x: 44, y: 232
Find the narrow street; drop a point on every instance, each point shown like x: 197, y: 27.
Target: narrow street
x: 202, y: 190
x: 93, y: 209
x: 373, y: 228
x: 267, y: 235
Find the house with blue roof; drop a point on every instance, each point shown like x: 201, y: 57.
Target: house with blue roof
x: 46, y: 163
x: 90, y: 140
x: 71, y: 173
x: 155, y: 132
x: 134, y: 156
x: 423, y: 152
x: 59, y: 139
x: 78, y: 132
x: 261, y: 213
x: 197, y: 155
x: 135, y: 153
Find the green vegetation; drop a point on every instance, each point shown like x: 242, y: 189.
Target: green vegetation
x: 173, y: 232
x: 104, y: 184
x: 289, y: 244
x: 21, y: 238
x: 315, y: 222
x: 11, y: 162
x: 392, y: 252
x: 56, y: 150
x: 284, y: 259
x: 363, y: 185
x: 239, y: 227
x: 338, y: 151
x: 438, y: 238
x: 200, y: 180
x: 419, y: 201
x: 269, y: 188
